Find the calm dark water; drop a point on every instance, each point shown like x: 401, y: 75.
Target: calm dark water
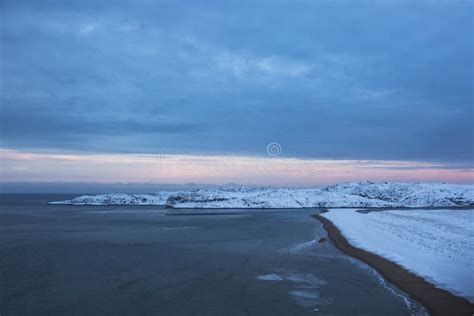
x: 66, y: 260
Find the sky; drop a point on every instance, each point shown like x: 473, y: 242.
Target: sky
x: 99, y: 91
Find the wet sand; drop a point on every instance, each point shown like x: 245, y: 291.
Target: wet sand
x: 436, y: 301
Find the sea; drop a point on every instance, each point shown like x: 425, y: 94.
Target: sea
x: 151, y: 260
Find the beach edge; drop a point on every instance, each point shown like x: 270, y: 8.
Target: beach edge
x: 436, y: 301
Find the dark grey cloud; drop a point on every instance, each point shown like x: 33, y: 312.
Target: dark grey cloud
x: 380, y: 80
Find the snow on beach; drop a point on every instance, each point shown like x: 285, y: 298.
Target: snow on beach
x: 435, y: 244
x: 362, y: 194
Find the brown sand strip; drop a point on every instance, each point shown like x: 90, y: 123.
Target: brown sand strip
x: 435, y: 300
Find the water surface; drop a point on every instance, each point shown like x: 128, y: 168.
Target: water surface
x: 125, y: 260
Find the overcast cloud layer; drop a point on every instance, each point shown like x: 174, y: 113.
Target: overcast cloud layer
x: 377, y: 80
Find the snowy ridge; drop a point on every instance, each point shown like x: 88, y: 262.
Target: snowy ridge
x: 410, y: 194
x: 118, y: 199
x: 362, y: 194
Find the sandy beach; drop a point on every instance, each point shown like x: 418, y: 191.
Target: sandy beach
x: 436, y: 301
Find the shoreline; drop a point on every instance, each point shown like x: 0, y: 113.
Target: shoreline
x: 436, y: 301
x: 369, y: 208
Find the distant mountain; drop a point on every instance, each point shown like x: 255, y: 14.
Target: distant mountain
x: 361, y: 194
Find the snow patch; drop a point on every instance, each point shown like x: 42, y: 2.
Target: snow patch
x: 305, y: 294
x: 270, y: 277
x: 307, y: 287
x: 435, y: 244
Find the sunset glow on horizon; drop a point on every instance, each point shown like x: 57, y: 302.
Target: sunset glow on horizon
x: 213, y: 169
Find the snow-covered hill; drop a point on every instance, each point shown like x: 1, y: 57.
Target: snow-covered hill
x: 362, y: 194
x: 119, y: 199
x: 410, y: 194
